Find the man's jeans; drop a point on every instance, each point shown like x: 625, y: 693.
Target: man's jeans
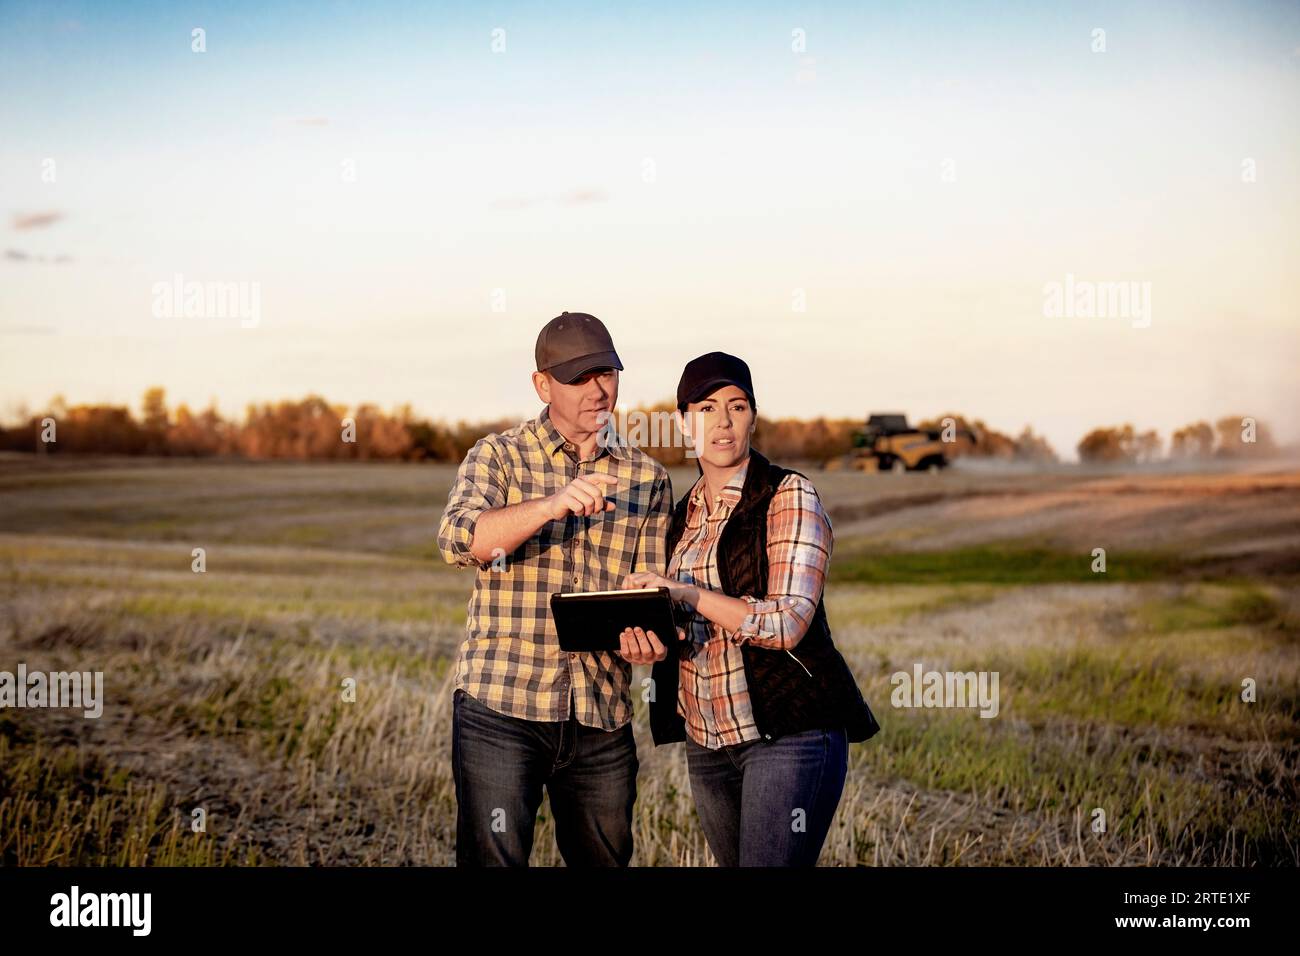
x: 769, y: 803
x: 500, y: 764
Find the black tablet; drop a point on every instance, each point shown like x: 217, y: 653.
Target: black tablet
x: 594, y: 620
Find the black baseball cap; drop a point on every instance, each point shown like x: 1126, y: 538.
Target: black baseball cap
x: 703, y: 375
x: 573, y: 343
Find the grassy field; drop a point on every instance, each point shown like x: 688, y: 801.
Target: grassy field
x: 1119, y: 691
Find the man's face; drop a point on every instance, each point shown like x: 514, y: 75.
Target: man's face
x: 583, y: 404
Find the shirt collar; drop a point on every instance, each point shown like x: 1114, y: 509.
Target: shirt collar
x: 552, y: 441
x: 730, y: 494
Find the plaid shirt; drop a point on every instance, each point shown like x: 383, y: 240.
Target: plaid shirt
x: 511, y: 659
x: 712, y: 695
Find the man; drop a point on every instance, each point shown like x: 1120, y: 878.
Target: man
x: 558, y: 503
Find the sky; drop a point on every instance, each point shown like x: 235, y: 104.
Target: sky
x: 869, y: 203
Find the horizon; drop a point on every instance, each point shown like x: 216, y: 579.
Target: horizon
x: 900, y: 215
x: 1068, y: 455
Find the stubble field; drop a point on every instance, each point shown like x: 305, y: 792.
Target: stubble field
x: 1120, y: 692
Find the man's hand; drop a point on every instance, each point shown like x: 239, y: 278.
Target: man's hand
x: 584, y: 495
x: 643, y: 647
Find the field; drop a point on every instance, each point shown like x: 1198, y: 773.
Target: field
x: 1121, y: 692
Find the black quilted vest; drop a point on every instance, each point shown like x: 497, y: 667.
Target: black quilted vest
x: 816, y: 691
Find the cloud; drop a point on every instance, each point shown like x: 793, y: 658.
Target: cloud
x: 575, y: 197
x: 36, y: 220
x: 582, y: 196
x: 311, y: 121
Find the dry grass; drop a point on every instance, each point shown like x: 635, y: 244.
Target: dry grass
x: 224, y: 689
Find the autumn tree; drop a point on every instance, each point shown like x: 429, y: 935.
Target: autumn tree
x: 306, y: 429
x: 1112, y: 444
x: 155, y: 421
x: 1146, y: 446
x: 199, y: 435
x: 1192, y: 441
x: 379, y: 435
x: 101, y: 430
x: 1241, y: 436
x: 1034, y: 448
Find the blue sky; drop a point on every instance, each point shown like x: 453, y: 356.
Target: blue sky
x: 914, y: 175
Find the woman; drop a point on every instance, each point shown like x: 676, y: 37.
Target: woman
x: 765, y: 703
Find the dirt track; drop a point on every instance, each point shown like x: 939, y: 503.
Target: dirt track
x: 1198, y: 514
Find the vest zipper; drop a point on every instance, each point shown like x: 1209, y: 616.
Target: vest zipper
x: 799, y: 662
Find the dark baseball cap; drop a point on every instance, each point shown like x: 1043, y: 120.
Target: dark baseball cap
x: 573, y: 343
x: 702, y: 376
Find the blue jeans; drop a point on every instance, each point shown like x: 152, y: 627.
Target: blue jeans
x: 769, y: 803
x: 500, y: 764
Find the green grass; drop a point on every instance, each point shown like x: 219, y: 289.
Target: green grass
x: 1004, y: 565
x: 1064, y: 768
x: 1109, y: 686
x: 1210, y: 609
x: 876, y: 605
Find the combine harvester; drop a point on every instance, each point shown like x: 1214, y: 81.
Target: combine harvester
x: 888, y: 443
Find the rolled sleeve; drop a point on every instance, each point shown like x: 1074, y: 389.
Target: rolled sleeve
x: 480, y: 486
x: 799, y: 543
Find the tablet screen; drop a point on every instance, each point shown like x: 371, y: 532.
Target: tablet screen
x: 592, y: 620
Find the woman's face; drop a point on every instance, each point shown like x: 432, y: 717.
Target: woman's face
x: 720, y: 426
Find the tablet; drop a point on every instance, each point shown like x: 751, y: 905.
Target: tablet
x: 592, y: 621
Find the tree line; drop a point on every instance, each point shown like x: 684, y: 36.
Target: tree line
x: 312, y: 428
x: 1235, y: 436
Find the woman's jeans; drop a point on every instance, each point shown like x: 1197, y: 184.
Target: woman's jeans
x: 769, y: 803
x: 500, y: 764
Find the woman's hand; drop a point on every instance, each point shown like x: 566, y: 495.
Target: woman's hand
x: 687, y: 593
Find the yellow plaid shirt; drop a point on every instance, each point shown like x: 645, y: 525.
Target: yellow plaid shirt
x: 511, y: 659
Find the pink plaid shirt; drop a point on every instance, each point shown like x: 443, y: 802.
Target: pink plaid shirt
x: 712, y: 695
